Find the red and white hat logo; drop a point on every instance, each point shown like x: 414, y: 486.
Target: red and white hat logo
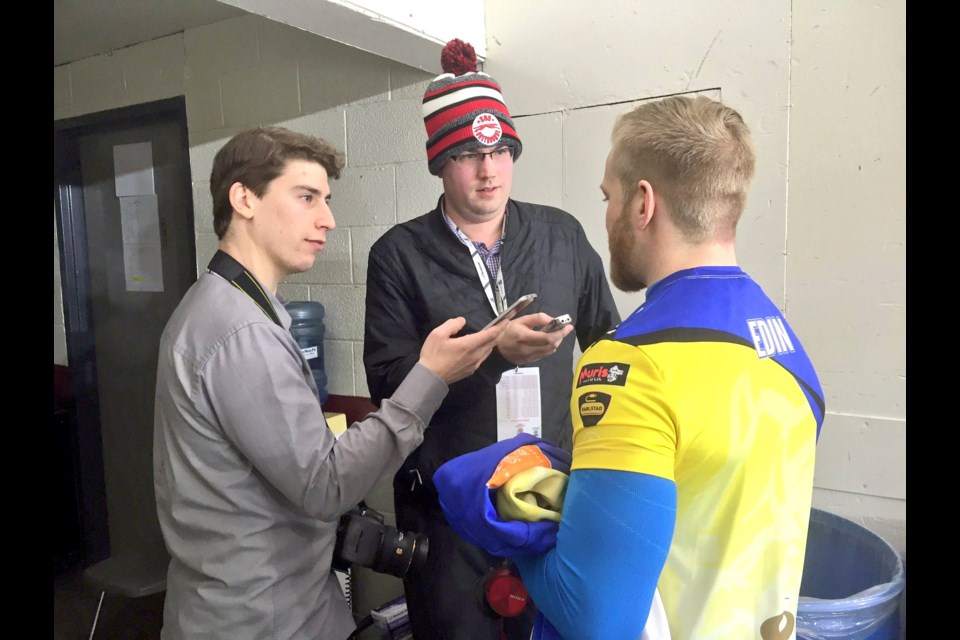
x: 486, y: 129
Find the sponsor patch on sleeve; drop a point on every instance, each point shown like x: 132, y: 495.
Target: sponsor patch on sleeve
x: 614, y: 373
x: 593, y: 406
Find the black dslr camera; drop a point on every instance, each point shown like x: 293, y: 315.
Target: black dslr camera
x: 364, y: 539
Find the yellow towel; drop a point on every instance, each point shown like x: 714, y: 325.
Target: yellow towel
x: 532, y: 495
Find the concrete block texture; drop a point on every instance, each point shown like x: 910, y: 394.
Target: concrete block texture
x: 292, y: 292
x: 364, y: 196
x: 334, y: 75
x: 585, y: 143
x: 417, y: 190
x: 329, y: 125
x: 97, y: 83
x: 202, y: 207
x: 278, y: 41
x: 221, y: 47
x: 362, y: 238
x: 154, y: 70
x: 204, y: 104
x: 261, y: 94
x: 847, y: 241
x: 338, y: 363
x: 204, y: 146
x: 863, y: 455
x: 700, y: 46
x: 386, y: 133
x: 207, y: 245
x: 408, y: 82
x: 538, y: 174
x: 332, y: 265
x: 344, y: 307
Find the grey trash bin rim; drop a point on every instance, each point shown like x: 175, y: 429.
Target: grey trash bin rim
x: 870, y: 597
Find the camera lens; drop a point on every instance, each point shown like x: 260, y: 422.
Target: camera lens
x: 400, y: 551
x: 364, y: 539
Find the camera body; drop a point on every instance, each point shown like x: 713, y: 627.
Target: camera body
x: 364, y: 539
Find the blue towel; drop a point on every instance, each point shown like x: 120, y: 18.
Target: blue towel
x: 469, y: 507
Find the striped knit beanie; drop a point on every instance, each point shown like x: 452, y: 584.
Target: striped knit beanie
x: 463, y: 109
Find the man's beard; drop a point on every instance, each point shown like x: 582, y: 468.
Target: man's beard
x: 621, y: 242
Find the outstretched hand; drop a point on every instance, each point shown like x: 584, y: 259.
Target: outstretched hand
x: 521, y: 343
x: 454, y: 359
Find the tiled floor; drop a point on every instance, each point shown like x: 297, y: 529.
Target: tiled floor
x: 75, y: 606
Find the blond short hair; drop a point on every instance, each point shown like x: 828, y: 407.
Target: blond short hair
x: 696, y: 153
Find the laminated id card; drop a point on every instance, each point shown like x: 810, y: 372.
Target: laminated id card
x: 518, y: 403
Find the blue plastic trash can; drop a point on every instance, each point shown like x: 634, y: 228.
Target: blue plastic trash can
x: 852, y: 582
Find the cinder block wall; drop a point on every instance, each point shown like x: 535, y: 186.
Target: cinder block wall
x: 822, y: 86
x: 250, y: 71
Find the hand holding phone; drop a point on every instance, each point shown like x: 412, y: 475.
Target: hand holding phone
x: 521, y: 303
x: 557, y: 323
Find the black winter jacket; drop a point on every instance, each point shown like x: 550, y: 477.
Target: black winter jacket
x: 420, y: 275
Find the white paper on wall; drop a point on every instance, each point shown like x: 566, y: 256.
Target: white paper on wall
x: 142, y: 255
x: 141, y: 266
x: 139, y: 216
x: 140, y: 219
x: 133, y: 169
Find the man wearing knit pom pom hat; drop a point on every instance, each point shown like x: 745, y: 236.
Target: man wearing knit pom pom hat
x: 474, y: 255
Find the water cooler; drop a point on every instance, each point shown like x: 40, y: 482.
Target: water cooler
x: 307, y: 329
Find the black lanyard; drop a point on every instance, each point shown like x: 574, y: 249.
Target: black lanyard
x: 229, y: 269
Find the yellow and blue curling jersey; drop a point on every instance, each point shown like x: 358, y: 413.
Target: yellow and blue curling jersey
x: 706, y: 385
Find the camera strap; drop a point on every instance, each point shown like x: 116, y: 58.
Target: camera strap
x: 229, y: 269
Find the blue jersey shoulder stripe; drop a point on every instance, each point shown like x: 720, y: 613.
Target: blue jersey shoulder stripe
x: 684, y: 334
x: 721, y: 304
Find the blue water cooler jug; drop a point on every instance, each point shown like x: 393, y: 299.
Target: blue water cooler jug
x: 307, y: 329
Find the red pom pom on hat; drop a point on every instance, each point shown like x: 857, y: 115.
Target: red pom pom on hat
x: 458, y: 57
x: 463, y: 109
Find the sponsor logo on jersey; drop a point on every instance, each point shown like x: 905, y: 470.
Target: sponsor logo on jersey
x: 593, y: 406
x: 487, y: 130
x: 779, y: 627
x: 603, y: 373
x: 770, y: 337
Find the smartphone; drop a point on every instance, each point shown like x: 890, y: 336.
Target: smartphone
x: 513, y: 309
x: 557, y: 323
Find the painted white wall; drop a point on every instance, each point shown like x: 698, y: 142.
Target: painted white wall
x: 821, y: 85
x: 407, y: 31
x: 847, y: 248
x: 441, y: 21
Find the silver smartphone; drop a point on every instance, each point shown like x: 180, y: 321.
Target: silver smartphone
x: 521, y: 303
x: 557, y: 323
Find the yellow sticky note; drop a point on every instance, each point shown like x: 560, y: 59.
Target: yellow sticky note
x: 336, y: 421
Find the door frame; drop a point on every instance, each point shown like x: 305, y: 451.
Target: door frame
x: 70, y: 220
